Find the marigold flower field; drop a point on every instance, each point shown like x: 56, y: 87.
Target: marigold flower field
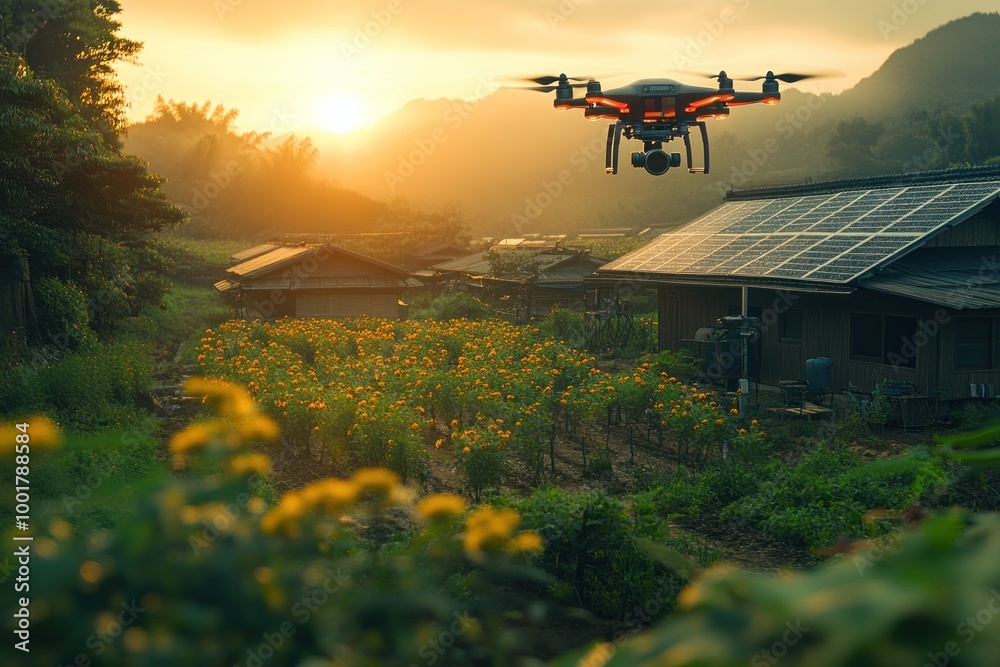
x: 379, y: 393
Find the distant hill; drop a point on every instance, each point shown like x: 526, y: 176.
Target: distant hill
x: 517, y: 166
x: 951, y: 67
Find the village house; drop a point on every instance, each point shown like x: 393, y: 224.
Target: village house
x: 894, y: 278
x: 276, y: 280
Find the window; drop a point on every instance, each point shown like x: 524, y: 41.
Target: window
x: 791, y: 326
x: 973, y: 344
x: 884, y: 339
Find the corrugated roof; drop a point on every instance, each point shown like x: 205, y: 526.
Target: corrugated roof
x: 344, y: 281
x: 959, y: 278
x: 937, y: 176
x: 270, y: 260
x: 226, y: 285
x: 287, y: 254
x: 256, y: 251
x: 474, y: 264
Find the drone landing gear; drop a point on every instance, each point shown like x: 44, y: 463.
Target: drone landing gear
x: 654, y: 159
x: 611, y: 154
x: 704, y: 143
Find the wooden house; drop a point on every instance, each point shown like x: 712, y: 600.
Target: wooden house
x: 303, y: 280
x: 896, y: 278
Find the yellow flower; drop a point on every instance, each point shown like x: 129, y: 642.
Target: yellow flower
x: 257, y: 428
x: 440, y: 507
x: 487, y: 529
x: 41, y: 433
x: 192, y: 437
x: 527, y: 542
x: 377, y: 480
x: 250, y: 463
x: 232, y: 399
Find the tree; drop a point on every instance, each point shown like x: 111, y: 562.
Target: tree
x: 74, y: 43
x: 71, y: 204
x: 851, y: 146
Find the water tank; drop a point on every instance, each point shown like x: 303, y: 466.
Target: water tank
x: 819, y: 374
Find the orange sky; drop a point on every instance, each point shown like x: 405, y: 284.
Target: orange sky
x: 337, y: 64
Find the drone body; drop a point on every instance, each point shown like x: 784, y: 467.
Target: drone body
x: 656, y: 111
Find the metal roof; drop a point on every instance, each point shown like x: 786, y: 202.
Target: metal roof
x: 815, y: 241
x: 270, y: 260
x: 226, y: 285
x: 256, y: 251
x: 957, y: 278
x: 344, y: 281
x: 287, y: 254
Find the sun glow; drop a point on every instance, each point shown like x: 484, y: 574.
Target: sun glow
x: 341, y: 113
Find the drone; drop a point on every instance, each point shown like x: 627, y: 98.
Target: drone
x: 656, y: 111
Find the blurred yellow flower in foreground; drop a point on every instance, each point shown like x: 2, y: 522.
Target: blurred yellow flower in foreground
x: 42, y: 433
x: 440, y: 507
x: 250, y: 463
x: 487, y: 529
x: 378, y: 480
x: 231, y: 399
x: 526, y: 542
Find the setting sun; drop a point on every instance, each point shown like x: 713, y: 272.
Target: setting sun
x: 340, y: 114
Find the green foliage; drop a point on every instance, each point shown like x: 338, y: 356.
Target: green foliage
x: 193, y: 575
x: 596, y: 546
x: 62, y: 314
x: 827, y: 494
x: 564, y: 324
x: 454, y: 307
x: 926, y: 600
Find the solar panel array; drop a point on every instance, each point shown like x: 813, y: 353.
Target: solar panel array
x: 826, y: 238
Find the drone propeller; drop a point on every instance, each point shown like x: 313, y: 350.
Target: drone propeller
x: 549, y: 89
x: 548, y: 79
x: 795, y: 78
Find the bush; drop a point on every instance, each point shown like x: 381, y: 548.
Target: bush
x: 828, y: 494
x: 62, y: 315
x: 596, y: 547
x: 454, y: 307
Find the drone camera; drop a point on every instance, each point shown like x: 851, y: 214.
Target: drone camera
x: 656, y: 162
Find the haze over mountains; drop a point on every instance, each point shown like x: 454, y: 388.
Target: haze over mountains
x: 502, y: 156
x: 515, y: 165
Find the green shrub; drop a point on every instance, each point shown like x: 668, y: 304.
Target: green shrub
x: 454, y: 307
x: 828, y: 493
x: 62, y: 314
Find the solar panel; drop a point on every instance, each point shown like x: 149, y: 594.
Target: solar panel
x: 829, y: 237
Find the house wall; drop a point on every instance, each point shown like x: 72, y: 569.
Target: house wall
x: 979, y: 230
x: 826, y: 321
x: 341, y: 305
